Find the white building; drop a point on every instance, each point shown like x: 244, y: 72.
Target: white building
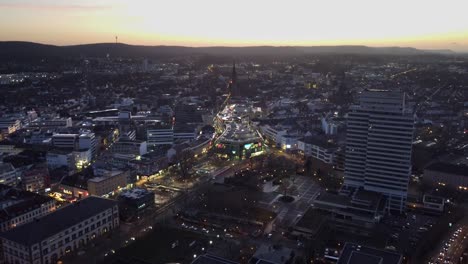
x: 82, y: 141
x: 60, y: 158
x: 329, y: 127
x: 87, y: 140
x: 160, y: 136
x: 378, y: 148
x: 49, y: 238
x: 273, y: 133
x: 318, y: 148
x: 68, y: 141
x: 135, y: 147
x: 167, y: 135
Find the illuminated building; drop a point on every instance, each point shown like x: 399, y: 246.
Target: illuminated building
x: 108, y: 183
x: 239, y: 141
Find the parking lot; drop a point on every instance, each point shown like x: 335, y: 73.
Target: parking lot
x: 406, y: 232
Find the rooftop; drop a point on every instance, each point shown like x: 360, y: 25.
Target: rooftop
x: 53, y: 223
x: 357, y: 254
x: 319, y: 141
x: 135, y: 193
x: 14, y: 202
x: 448, y: 168
x: 211, y: 259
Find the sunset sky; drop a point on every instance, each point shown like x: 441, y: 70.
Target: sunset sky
x: 429, y: 24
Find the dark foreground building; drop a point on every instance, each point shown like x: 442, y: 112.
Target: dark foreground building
x: 46, y: 239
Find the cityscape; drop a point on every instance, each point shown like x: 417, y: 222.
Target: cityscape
x: 226, y: 152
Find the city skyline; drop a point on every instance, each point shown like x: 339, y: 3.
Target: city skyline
x: 427, y: 25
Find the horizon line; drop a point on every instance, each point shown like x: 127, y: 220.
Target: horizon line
x: 228, y: 46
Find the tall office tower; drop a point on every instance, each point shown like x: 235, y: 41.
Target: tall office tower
x: 378, y: 149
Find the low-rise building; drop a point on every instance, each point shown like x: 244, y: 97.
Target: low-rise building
x: 135, y: 201
x: 356, y: 254
x: 318, y: 148
x: 446, y: 174
x: 108, y: 183
x: 353, y: 210
x: 47, y: 239
x: 35, y: 179
x: 19, y: 207
x: 60, y: 158
x: 134, y: 147
x: 8, y: 174
x: 9, y: 126
x: 51, y: 122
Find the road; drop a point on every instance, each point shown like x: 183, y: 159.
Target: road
x: 452, y: 247
x: 95, y: 251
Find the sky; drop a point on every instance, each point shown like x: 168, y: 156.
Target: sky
x: 425, y: 24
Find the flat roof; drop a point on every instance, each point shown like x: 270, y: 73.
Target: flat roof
x: 448, y: 168
x: 356, y: 254
x: 53, y: 223
x: 319, y: 141
x: 211, y: 259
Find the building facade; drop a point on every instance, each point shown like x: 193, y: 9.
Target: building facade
x: 61, y: 232
x: 318, y: 148
x: 8, y: 174
x: 378, y: 146
x: 446, y: 174
x: 19, y: 207
x: 106, y: 184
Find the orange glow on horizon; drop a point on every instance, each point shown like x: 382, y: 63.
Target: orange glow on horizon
x: 429, y: 24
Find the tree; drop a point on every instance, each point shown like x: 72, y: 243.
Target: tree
x: 185, y: 159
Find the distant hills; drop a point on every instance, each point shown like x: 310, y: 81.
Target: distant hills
x: 19, y: 49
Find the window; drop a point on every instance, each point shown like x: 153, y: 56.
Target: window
x: 87, y: 229
x: 74, y: 236
x: 67, y: 239
x: 80, y: 233
x: 45, y: 251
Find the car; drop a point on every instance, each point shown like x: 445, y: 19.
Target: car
x: 109, y: 253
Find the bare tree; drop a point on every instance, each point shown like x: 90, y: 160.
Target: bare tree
x: 185, y: 159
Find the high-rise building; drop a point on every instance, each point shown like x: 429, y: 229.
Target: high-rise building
x: 378, y: 148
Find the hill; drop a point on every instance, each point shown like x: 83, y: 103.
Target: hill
x: 18, y: 49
